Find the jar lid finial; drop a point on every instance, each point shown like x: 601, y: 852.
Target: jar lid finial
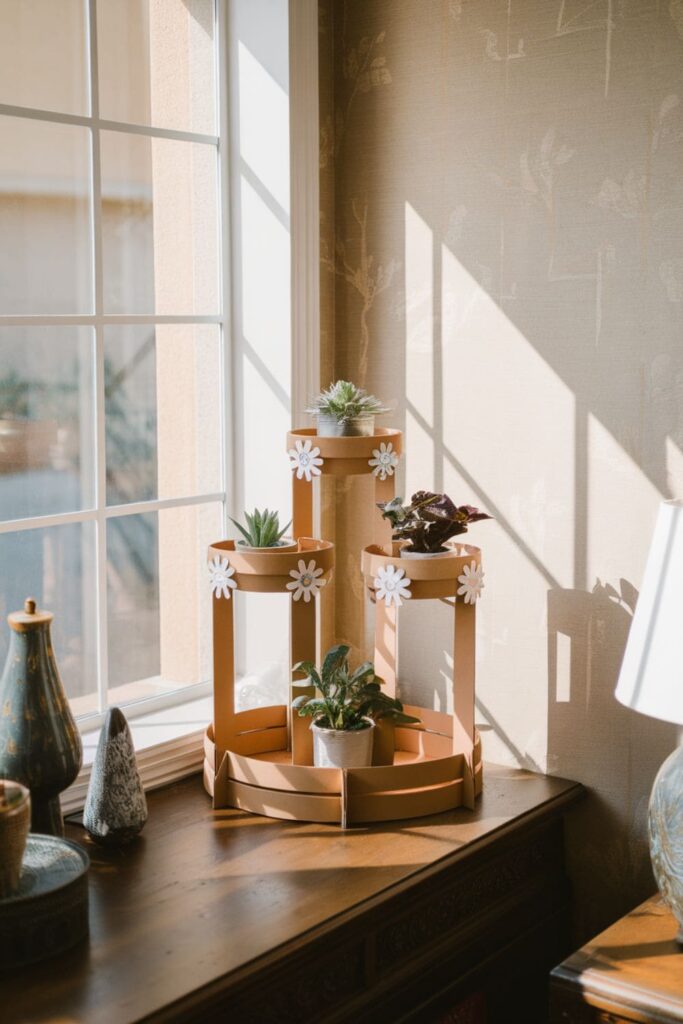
x: 29, y: 617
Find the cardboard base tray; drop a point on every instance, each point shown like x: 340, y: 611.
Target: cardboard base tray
x: 416, y: 773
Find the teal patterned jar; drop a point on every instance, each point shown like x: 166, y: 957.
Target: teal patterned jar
x: 40, y: 745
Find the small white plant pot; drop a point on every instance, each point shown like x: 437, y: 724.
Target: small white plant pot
x: 424, y: 554
x: 342, y: 748
x: 361, y: 426
x: 283, y: 545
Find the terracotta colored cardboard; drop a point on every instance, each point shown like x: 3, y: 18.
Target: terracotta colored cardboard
x: 262, y: 760
x: 342, y: 456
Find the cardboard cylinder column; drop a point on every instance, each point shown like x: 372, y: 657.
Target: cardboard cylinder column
x: 312, y: 456
x: 455, y: 577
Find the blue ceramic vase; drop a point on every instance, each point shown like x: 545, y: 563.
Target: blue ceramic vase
x: 40, y: 745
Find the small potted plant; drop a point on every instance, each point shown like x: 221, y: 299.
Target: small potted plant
x: 428, y: 522
x: 344, y: 410
x: 345, y: 709
x: 263, y: 531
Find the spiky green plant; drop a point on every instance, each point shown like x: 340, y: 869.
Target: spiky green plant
x: 345, y: 401
x: 346, y: 698
x: 263, y: 529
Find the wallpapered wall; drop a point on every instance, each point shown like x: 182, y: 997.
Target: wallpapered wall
x: 502, y: 254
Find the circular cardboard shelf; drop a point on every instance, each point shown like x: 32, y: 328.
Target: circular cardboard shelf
x: 426, y: 776
x: 344, y: 456
x: 268, y: 570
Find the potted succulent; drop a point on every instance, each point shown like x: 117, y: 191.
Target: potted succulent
x: 344, y: 710
x: 344, y: 410
x: 263, y: 531
x: 428, y: 522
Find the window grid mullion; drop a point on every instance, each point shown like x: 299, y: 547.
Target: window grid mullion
x: 89, y: 515
x: 100, y: 426
x: 34, y: 114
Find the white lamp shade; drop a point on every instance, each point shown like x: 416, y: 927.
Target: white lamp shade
x: 651, y: 677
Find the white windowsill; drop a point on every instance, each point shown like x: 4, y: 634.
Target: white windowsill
x: 168, y: 745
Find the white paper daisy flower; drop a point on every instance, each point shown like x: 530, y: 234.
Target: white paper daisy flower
x: 391, y: 585
x: 220, y: 572
x: 385, y: 460
x: 305, y: 460
x: 472, y: 580
x: 305, y: 581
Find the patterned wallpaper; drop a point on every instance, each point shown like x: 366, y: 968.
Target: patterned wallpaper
x: 502, y: 256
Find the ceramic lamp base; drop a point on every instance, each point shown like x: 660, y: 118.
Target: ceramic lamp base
x: 665, y: 823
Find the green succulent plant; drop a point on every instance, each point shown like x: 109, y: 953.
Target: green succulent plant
x: 345, y: 699
x: 345, y: 401
x: 263, y: 529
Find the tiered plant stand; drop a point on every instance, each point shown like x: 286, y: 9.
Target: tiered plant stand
x: 262, y: 760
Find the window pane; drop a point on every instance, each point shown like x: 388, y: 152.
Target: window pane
x: 163, y: 417
x: 156, y: 63
x: 160, y: 225
x: 46, y: 253
x: 43, y: 55
x: 47, y: 460
x: 159, y: 606
x: 262, y: 649
x: 57, y: 567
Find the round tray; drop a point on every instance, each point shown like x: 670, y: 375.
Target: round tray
x: 49, y: 912
x: 344, y: 456
x: 269, y: 570
x: 427, y: 776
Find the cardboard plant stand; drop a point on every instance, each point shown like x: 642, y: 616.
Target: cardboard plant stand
x: 262, y: 760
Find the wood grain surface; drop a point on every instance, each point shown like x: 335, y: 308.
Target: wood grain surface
x: 633, y: 971
x: 215, y: 911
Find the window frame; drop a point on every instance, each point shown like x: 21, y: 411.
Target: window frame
x: 100, y: 513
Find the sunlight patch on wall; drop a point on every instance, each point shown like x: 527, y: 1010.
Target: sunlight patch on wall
x: 266, y: 290
x: 264, y: 126
x: 622, y: 505
x: 508, y: 420
x: 419, y: 361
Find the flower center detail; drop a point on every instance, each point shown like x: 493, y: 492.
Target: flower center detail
x: 303, y: 459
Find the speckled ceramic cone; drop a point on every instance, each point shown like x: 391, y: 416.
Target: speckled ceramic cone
x: 115, y: 809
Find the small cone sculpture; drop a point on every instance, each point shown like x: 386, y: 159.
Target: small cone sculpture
x: 115, y: 809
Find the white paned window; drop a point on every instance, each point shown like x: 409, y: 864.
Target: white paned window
x: 113, y: 380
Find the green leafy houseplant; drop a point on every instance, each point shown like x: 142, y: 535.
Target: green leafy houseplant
x: 429, y: 520
x: 344, y: 401
x: 345, y: 700
x: 263, y: 529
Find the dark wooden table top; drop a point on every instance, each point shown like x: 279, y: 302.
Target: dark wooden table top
x: 204, y: 894
x: 633, y: 970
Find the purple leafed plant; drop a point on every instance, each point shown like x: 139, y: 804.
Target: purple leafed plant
x: 429, y: 520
